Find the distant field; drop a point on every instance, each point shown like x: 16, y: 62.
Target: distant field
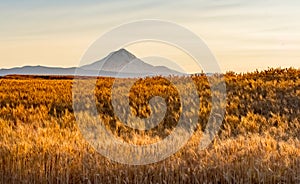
x: 258, y: 143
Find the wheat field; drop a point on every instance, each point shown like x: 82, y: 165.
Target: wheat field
x: 40, y: 141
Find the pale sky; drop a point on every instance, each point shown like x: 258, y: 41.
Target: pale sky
x: 243, y: 35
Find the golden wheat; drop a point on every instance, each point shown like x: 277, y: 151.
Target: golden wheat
x: 40, y: 141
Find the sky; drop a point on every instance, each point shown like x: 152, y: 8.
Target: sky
x: 242, y: 35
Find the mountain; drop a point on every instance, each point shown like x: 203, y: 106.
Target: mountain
x: 120, y: 63
x: 38, y: 70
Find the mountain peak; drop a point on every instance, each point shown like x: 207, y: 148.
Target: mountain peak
x: 122, y: 53
x: 122, y: 50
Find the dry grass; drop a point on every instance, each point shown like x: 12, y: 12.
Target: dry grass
x: 40, y: 141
